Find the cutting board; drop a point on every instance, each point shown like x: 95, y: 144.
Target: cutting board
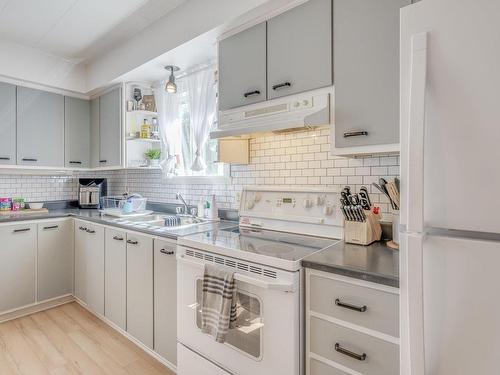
x: 24, y: 212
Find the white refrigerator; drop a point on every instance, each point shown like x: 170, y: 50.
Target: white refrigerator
x: 450, y: 180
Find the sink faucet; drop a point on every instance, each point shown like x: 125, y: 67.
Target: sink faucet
x: 178, y: 196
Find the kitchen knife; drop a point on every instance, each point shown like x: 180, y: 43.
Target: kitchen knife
x: 364, y: 203
x: 363, y: 193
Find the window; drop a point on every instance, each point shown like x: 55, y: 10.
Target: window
x: 188, y: 148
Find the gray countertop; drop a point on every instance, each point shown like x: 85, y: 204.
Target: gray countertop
x: 376, y: 262
x: 95, y: 216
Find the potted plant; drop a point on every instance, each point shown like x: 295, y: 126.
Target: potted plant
x: 153, y: 156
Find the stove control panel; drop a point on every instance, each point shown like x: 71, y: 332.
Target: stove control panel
x: 295, y: 207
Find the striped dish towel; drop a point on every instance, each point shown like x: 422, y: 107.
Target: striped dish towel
x: 218, y: 302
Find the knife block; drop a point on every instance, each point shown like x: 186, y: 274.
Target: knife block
x: 363, y: 233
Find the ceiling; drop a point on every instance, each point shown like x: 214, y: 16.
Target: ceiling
x: 78, y: 30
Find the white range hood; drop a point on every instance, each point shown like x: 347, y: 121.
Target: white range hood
x: 294, y: 112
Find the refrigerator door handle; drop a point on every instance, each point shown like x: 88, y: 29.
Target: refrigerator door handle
x: 415, y: 187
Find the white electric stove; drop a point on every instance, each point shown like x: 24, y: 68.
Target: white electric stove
x: 277, y: 229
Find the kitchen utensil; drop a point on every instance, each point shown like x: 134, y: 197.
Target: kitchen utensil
x: 363, y: 192
x: 383, y: 190
x: 393, y: 193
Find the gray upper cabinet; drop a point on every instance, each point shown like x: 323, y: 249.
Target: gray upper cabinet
x: 299, y: 49
x: 110, y: 129
x: 7, y: 123
x: 366, y: 69
x: 77, y: 132
x: 40, y: 128
x: 242, y: 68
x: 94, y: 133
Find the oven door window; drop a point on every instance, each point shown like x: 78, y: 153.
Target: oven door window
x: 247, y: 336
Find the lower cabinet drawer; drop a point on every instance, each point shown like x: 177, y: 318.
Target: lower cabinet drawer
x: 370, y: 308
x: 356, y: 350
x: 320, y: 368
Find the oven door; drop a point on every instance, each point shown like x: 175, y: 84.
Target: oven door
x: 266, y: 340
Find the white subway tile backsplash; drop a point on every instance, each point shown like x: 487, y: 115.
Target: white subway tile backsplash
x: 290, y: 159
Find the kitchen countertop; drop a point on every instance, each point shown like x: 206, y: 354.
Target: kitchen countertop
x: 93, y: 215
x: 376, y: 262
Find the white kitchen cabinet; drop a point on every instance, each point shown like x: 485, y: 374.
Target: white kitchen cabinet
x: 140, y: 288
x: 110, y: 128
x: 7, y: 123
x: 17, y: 268
x: 89, y: 265
x: 242, y: 68
x: 76, y: 132
x: 40, y: 128
x: 165, y: 300
x: 366, y: 70
x: 116, y: 277
x: 299, y: 49
x: 55, y: 259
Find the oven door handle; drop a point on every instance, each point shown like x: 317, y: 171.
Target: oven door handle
x: 245, y: 278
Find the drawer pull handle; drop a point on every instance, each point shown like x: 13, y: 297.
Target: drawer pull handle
x: 90, y: 231
x: 51, y: 227
x: 21, y: 230
x: 118, y: 238
x: 250, y: 93
x: 355, y: 134
x: 4, y: 158
x: 30, y: 159
x: 132, y: 242
x: 281, y: 85
x: 341, y: 350
x: 350, y: 307
x: 103, y: 161
x: 75, y: 162
x: 167, y: 252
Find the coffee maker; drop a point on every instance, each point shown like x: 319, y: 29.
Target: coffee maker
x: 90, y: 191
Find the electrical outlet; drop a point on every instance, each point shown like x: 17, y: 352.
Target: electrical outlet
x: 238, y: 197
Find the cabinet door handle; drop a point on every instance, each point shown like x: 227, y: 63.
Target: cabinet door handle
x: 51, y: 227
x: 103, y: 161
x: 250, y: 93
x: 4, y: 158
x: 75, y: 162
x: 355, y: 134
x: 132, y: 242
x: 89, y: 231
x: 281, y: 85
x: 21, y: 230
x: 338, y: 302
x: 29, y: 159
x: 167, y: 252
x: 341, y: 350
x: 118, y: 238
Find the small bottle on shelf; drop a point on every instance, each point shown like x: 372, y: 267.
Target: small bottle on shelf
x: 145, y: 130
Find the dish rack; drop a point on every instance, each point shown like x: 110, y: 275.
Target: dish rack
x: 124, y: 205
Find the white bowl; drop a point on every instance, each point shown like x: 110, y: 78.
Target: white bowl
x: 36, y: 206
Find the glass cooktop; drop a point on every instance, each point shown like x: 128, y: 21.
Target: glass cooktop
x: 286, y: 246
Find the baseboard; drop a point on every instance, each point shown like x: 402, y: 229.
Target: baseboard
x: 148, y: 350
x: 35, y: 307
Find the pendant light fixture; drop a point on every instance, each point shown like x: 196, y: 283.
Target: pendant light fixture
x: 171, y: 86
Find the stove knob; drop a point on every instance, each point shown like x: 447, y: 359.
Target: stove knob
x: 328, y: 210
x: 320, y: 200
x: 258, y: 197
x: 250, y: 204
x: 307, y: 203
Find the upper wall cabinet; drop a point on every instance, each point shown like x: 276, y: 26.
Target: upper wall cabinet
x: 366, y: 69
x: 77, y: 132
x: 242, y: 68
x: 94, y: 133
x: 7, y: 123
x: 110, y: 126
x: 40, y: 128
x: 299, y: 49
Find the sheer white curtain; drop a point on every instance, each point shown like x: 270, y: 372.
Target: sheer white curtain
x: 201, y: 91
x: 170, y: 129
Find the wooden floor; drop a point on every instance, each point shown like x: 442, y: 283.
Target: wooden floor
x: 69, y: 340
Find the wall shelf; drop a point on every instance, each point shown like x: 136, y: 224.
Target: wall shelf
x: 143, y: 112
